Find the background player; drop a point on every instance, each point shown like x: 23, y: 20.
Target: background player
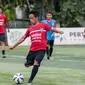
x: 3, y: 22
x: 37, y: 32
x: 50, y: 34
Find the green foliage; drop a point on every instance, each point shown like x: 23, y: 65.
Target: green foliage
x: 9, y: 8
x: 72, y: 13
x: 9, y: 12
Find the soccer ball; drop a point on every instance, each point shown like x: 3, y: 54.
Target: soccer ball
x: 18, y: 78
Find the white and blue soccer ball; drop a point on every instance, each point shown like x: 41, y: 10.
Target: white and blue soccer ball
x: 18, y: 78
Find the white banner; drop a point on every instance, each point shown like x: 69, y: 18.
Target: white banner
x: 71, y: 36
x: 15, y: 34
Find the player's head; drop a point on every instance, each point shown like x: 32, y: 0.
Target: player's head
x: 1, y: 10
x: 33, y: 17
x: 49, y: 15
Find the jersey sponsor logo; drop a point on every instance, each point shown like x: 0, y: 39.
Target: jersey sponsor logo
x: 36, y: 41
x: 36, y: 37
x: 36, y: 34
x: 40, y: 30
x: 1, y: 21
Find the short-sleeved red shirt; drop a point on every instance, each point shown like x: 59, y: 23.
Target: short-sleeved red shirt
x: 3, y: 21
x: 38, y: 36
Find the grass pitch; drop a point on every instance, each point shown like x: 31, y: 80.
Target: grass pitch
x: 67, y: 67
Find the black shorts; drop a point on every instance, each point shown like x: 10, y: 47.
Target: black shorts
x: 2, y: 37
x: 34, y: 55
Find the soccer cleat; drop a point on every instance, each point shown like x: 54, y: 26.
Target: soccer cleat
x: 48, y: 57
x: 4, y: 56
x: 29, y: 84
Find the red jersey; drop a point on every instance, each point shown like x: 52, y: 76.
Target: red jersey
x: 3, y: 21
x: 38, y: 36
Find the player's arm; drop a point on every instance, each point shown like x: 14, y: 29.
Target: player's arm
x: 57, y: 30
x: 18, y: 42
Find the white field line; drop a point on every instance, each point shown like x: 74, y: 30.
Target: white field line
x: 69, y: 60
x: 23, y: 57
x: 14, y: 56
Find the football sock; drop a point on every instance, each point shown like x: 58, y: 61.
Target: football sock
x: 48, y: 51
x: 33, y: 73
x: 3, y: 52
x: 51, y: 50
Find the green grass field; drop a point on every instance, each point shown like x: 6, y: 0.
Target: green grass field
x: 67, y: 68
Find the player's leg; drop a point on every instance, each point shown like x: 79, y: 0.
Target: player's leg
x: 48, y: 49
x: 2, y: 40
x: 29, y: 59
x: 39, y: 57
x: 51, y: 47
x: 3, y: 49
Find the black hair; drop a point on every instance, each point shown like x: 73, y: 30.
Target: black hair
x: 35, y: 13
x: 49, y: 13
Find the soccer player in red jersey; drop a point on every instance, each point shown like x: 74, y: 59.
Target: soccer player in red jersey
x: 3, y: 22
x: 37, y: 33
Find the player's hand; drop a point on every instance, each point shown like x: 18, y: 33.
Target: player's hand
x: 61, y: 32
x: 53, y: 35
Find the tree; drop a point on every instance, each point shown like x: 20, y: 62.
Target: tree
x: 72, y: 13
x: 67, y: 12
x: 8, y: 8
x: 10, y: 5
x: 56, y: 5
